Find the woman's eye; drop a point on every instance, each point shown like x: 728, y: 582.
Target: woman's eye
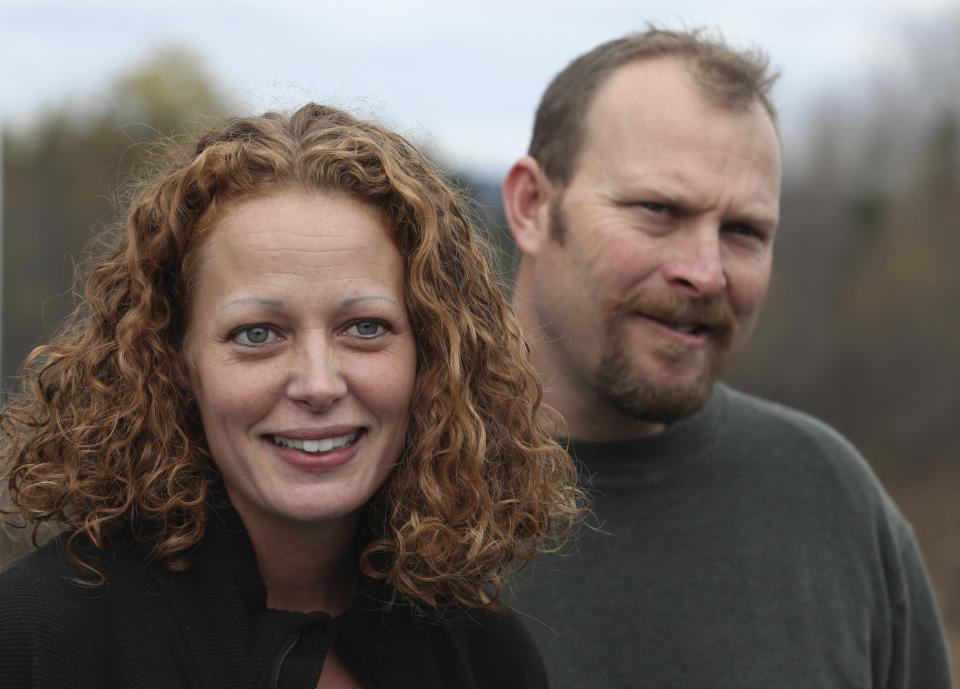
x: 367, y: 329
x: 252, y: 336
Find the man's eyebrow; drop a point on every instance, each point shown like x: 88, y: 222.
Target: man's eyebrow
x: 355, y: 300
x: 680, y: 199
x: 658, y: 193
x: 253, y: 300
x: 761, y: 216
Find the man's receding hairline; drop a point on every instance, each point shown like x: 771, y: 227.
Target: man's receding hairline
x: 703, y: 86
x: 730, y: 76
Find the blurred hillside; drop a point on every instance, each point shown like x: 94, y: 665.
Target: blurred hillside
x: 861, y: 327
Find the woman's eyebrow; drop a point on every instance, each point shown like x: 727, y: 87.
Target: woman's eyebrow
x: 354, y: 300
x: 253, y: 300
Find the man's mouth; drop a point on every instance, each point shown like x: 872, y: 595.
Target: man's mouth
x: 317, y: 445
x: 684, y: 328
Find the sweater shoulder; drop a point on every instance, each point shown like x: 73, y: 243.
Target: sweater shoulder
x: 37, y: 584
x: 59, y: 627
x: 501, y: 649
x: 800, y: 445
x: 49, y: 592
x: 45, y: 626
x: 764, y: 421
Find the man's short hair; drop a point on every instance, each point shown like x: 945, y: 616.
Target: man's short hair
x: 732, y: 78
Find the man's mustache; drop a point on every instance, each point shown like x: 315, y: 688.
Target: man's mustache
x: 714, y: 312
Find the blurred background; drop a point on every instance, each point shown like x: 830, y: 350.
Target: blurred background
x: 861, y: 327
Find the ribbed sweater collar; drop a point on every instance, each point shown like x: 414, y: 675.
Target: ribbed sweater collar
x: 674, y: 449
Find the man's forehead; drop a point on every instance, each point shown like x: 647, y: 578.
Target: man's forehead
x: 652, y: 107
x: 656, y: 92
x: 633, y: 85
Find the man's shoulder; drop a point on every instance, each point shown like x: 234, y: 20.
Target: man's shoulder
x: 766, y: 431
x: 755, y: 416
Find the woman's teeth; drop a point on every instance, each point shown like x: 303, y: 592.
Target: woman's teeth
x: 324, y: 445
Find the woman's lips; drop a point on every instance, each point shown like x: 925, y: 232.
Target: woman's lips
x: 317, y: 444
x: 316, y: 453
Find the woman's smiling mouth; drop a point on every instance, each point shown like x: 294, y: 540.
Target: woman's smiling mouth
x: 316, y: 445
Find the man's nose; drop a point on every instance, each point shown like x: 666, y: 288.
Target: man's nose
x: 696, y: 264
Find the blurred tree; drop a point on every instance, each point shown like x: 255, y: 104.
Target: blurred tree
x: 167, y: 91
x: 62, y: 176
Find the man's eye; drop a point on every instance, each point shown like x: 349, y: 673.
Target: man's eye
x: 655, y: 207
x: 367, y: 329
x: 745, y: 230
x: 253, y: 336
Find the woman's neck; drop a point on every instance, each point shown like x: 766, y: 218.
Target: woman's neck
x: 305, y: 567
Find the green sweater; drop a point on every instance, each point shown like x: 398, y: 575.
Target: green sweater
x: 747, y: 546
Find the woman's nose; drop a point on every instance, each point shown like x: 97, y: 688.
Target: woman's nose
x: 316, y: 380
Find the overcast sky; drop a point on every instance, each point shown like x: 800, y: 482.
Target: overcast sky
x: 465, y: 77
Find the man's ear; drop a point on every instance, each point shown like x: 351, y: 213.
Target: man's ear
x: 526, y: 203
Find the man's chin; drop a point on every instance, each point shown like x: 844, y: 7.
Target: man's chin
x: 663, y: 401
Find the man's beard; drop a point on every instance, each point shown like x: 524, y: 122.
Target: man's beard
x: 620, y: 380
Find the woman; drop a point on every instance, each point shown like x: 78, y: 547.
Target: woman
x: 289, y: 435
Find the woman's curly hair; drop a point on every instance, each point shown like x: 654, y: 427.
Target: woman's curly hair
x: 103, y: 439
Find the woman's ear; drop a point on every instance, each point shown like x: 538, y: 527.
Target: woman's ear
x: 526, y: 204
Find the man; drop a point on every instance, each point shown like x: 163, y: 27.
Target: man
x: 739, y: 543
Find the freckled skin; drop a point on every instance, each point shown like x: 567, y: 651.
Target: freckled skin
x: 299, y: 322
x: 673, y: 205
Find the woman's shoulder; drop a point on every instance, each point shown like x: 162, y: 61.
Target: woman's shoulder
x: 35, y: 582
x: 498, y: 634
x: 59, y: 628
x: 40, y: 615
x: 47, y: 590
x: 488, y: 625
x: 499, y: 647
x: 443, y: 647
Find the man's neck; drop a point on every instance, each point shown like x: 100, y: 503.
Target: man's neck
x: 592, y: 419
x: 582, y: 415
